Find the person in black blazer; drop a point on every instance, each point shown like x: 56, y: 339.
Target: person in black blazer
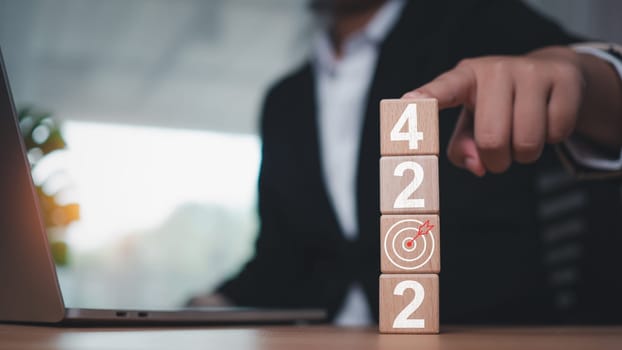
x: 493, y: 262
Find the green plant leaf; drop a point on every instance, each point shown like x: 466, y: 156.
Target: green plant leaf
x: 60, y: 252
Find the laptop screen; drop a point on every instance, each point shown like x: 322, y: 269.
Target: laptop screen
x: 28, y: 290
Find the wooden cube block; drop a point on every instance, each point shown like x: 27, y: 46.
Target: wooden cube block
x: 408, y: 127
x: 410, y: 244
x: 409, y: 304
x: 409, y: 185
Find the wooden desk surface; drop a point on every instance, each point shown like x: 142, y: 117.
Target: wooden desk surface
x: 309, y: 337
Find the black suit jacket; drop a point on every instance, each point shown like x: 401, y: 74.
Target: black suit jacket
x: 491, y: 248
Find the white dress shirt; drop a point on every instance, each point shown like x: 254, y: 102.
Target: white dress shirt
x: 342, y: 88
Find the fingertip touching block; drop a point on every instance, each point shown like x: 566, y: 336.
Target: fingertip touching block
x: 410, y: 244
x: 409, y: 127
x: 409, y: 303
x: 409, y: 185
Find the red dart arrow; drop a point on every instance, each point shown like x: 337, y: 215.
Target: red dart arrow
x: 422, y: 230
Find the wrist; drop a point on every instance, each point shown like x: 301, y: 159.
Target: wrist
x: 600, y: 115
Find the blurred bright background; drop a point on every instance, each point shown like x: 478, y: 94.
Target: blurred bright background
x: 158, y: 102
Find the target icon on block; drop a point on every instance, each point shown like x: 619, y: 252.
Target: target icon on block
x: 410, y: 243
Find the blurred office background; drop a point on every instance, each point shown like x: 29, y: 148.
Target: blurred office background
x: 158, y: 101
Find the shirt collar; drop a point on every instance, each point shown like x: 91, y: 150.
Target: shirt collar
x: 378, y: 28
x: 373, y: 34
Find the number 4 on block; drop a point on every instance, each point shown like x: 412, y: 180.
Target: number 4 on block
x: 409, y: 304
x: 408, y: 127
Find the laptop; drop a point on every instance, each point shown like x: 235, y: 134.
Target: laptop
x: 29, y: 288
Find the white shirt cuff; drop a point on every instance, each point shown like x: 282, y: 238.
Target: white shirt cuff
x: 582, y: 153
x: 589, y: 157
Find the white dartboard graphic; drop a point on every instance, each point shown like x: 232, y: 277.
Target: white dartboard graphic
x: 409, y: 244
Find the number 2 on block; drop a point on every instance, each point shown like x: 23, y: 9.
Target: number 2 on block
x: 413, y: 135
x: 402, y: 320
x: 403, y: 200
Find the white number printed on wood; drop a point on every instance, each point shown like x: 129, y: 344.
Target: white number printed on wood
x: 408, y: 127
x: 409, y: 304
x: 409, y: 185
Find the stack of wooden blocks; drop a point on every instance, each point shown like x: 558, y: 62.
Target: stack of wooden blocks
x: 409, y: 225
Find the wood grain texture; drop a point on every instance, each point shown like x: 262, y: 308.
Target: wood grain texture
x: 427, y: 124
x: 399, y: 177
x: 309, y: 338
x: 410, y: 244
x: 396, y: 295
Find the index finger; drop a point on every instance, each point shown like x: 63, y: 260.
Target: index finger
x: 453, y: 88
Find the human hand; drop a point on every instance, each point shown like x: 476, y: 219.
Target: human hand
x: 512, y: 106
